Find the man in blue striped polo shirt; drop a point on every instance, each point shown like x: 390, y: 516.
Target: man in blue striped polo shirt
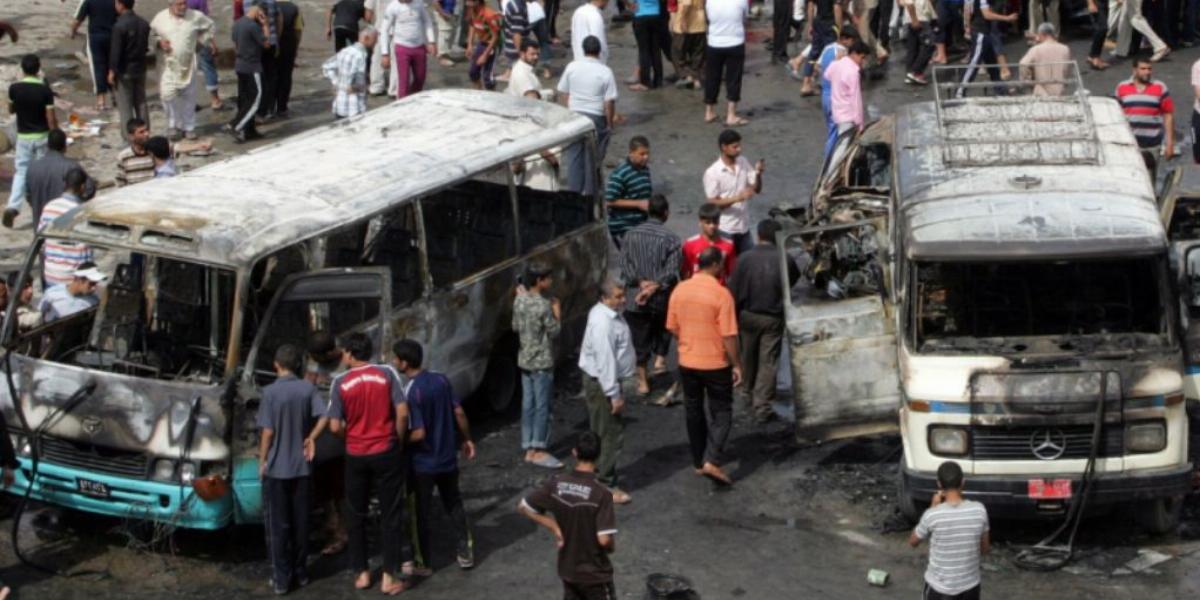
x: 957, y: 530
x: 628, y: 191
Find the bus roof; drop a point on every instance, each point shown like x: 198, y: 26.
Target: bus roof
x: 1046, y: 207
x: 233, y: 211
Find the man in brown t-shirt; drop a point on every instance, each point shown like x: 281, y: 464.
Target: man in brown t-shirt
x: 578, y: 510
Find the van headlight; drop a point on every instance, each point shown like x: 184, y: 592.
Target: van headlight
x: 948, y: 441
x: 164, y: 469
x: 187, y: 472
x: 1141, y: 438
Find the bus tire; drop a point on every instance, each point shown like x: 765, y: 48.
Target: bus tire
x: 1161, y: 515
x: 501, y: 384
x: 905, y: 503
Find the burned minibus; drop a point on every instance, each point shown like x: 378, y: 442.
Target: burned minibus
x: 413, y: 220
x: 990, y: 277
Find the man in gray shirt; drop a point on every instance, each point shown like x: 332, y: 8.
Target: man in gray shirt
x: 957, y: 530
x: 251, y: 35
x: 289, y: 408
x: 44, y: 180
x: 606, y: 358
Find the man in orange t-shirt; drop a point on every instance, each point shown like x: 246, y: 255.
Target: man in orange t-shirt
x: 701, y: 315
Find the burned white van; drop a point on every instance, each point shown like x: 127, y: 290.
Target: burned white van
x: 990, y: 276
x: 413, y: 220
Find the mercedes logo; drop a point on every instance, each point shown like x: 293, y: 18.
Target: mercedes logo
x: 1048, y: 444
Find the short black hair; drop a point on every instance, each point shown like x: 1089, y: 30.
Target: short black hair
x: 767, y: 228
x: 709, y: 212
x: 710, y: 257
x: 638, y: 141
x: 950, y: 476
x: 132, y: 125
x: 1137, y: 62
x: 528, y: 43
x: 322, y: 346
x: 658, y: 206
x: 537, y: 271
x: 75, y: 178
x: 57, y: 140
x: 289, y: 357
x: 591, y: 46
x: 860, y: 48
x: 128, y: 4
x: 410, y: 352
x: 359, y: 346
x: 31, y: 64
x: 587, y: 446
x: 159, y: 147
x: 848, y: 33
x: 728, y: 137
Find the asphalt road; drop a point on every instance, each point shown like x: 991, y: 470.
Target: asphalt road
x: 800, y: 523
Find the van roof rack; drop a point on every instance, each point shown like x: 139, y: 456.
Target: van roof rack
x: 1008, y: 124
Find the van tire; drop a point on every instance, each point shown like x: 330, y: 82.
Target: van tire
x: 905, y: 503
x: 501, y: 385
x: 1160, y: 516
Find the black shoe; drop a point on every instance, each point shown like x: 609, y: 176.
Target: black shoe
x: 466, y: 556
x: 10, y: 214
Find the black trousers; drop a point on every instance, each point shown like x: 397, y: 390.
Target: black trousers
x: 881, y: 22
x: 708, y: 402
x: 98, y: 50
x: 383, y: 473
x: 343, y: 38
x: 1099, y: 30
x: 1195, y: 136
x: 446, y: 485
x: 932, y: 594
x: 589, y: 591
x: 649, y: 332
x: 919, y: 43
x: 286, y: 505
x: 249, y: 98
x: 950, y: 17
x: 270, y: 80
x: 283, y: 81
x: 552, y: 7
x: 727, y: 63
x: 982, y: 53
x: 653, y: 42
x: 781, y: 23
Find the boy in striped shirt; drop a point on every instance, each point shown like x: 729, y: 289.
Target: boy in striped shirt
x: 60, y: 258
x: 957, y: 530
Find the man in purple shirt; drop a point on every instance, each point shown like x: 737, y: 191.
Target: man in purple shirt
x: 206, y: 59
x: 844, y: 78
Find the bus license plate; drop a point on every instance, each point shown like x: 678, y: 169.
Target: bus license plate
x: 92, y: 488
x: 1055, y: 489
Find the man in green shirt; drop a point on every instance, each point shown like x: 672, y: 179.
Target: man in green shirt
x: 628, y: 191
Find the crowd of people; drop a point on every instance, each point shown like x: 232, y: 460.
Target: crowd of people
x: 717, y: 296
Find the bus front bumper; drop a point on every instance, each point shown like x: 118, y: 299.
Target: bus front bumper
x: 169, y: 503
x: 1009, y: 494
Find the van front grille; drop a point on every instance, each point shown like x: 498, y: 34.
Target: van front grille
x: 1019, y: 443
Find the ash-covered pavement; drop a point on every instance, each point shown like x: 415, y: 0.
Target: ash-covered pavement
x: 801, y: 522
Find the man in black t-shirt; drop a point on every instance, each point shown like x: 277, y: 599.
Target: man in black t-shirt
x: 31, y: 100
x: 101, y: 15
x: 250, y: 35
x: 291, y: 27
x: 341, y: 23
x: 578, y: 510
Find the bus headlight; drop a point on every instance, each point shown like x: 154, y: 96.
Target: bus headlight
x: 1148, y: 437
x: 164, y: 469
x: 948, y: 441
x: 187, y: 472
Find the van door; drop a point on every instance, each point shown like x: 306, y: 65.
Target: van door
x: 339, y: 301
x: 1188, y: 284
x: 841, y: 331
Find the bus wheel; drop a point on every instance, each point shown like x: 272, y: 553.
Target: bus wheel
x: 1160, y: 516
x: 501, y: 381
x: 904, y: 498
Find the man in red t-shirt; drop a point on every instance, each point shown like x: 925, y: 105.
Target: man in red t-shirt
x: 367, y: 402
x: 710, y: 217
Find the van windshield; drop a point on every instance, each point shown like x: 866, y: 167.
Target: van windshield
x: 1036, y: 307
x: 154, y: 317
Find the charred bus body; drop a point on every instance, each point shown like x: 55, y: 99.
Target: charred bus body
x: 990, y: 276
x: 413, y: 220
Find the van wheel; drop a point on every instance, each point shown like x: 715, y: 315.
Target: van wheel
x: 501, y: 383
x: 904, y: 498
x: 1160, y: 516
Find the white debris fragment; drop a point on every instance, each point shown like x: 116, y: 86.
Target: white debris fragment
x: 1144, y: 560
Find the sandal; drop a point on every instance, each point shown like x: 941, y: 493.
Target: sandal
x: 737, y: 122
x: 334, y: 547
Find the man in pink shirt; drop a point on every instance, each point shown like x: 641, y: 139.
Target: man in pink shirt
x: 845, y: 81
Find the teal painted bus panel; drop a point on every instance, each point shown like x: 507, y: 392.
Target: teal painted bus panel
x: 247, y: 491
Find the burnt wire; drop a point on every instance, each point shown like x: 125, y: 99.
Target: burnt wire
x: 35, y: 450
x: 1046, y: 555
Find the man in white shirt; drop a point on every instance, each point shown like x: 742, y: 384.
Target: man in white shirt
x: 730, y: 183
x: 524, y: 74
x: 408, y: 31
x: 725, y: 57
x: 607, y: 358
x: 382, y: 78
x: 588, y: 20
x: 347, y: 71
x: 588, y: 88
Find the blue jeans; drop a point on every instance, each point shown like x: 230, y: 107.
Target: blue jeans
x: 537, y: 391
x: 27, y: 152
x: 204, y: 59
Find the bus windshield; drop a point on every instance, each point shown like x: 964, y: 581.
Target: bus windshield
x: 153, y: 317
